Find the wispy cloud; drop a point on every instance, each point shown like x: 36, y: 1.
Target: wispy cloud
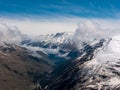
x: 56, y: 8
x: 10, y: 34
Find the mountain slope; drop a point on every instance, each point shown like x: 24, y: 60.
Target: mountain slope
x: 19, y: 69
x: 97, y: 68
x: 49, y: 41
x: 59, y: 45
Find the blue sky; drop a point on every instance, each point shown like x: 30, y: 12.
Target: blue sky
x: 60, y: 8
x: 35, y: 17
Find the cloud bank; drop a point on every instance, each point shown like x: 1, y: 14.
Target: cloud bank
x: 86, y: 31
x: 52, y: 25
x: 10, y: 34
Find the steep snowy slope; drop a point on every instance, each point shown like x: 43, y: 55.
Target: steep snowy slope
x: 107, y: 63
x: 97, y: 68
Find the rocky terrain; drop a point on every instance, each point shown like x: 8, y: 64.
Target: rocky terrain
x: 19, y: 69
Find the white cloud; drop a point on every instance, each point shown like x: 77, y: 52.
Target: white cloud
x: 88, y: 31
x: 47, y: 26
x: 9, y: 34
x: 32, y: 27
x: 92, y: 27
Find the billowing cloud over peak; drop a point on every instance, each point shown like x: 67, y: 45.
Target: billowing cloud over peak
x: 10, y: 34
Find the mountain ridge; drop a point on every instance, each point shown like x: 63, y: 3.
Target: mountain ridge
x: 96, y: 69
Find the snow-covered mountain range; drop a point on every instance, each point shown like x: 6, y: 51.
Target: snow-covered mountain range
x: 59, y: 44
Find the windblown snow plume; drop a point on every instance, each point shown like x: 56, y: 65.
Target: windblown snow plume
x: 9, y: 34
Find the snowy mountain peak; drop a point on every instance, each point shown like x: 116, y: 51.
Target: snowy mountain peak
x: 58, y: 38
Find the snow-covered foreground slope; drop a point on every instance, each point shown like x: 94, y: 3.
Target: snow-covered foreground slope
x: 105, y: 63
x: 109, y: 51
x: 97, y: 68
